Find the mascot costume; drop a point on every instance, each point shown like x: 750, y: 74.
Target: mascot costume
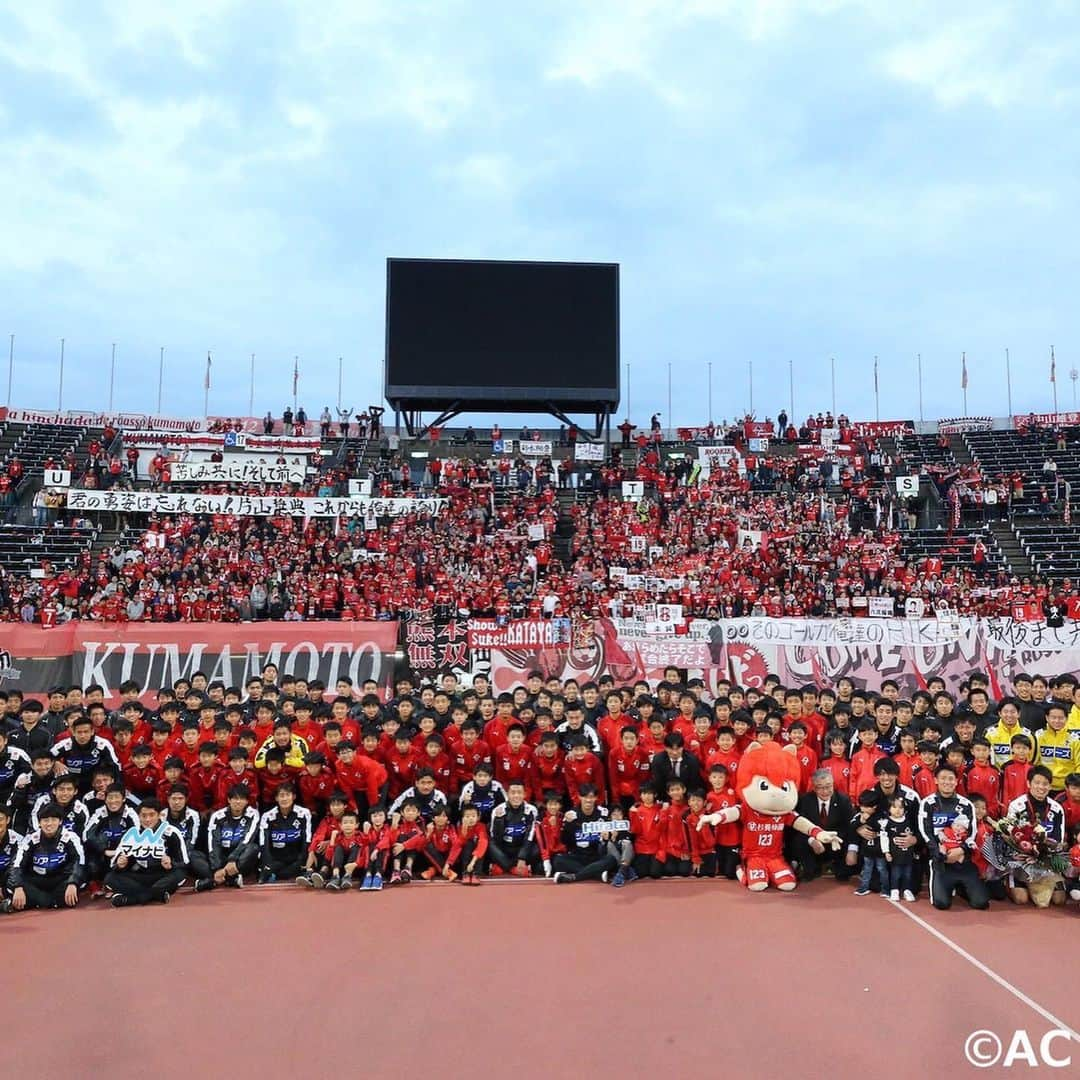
x: 768, y: 785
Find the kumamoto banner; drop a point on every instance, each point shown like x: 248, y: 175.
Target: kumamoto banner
x: 237, y: 472
x: 205, y: 440
x: 799, y: 651
x: 170, y: 502
x: 157, y: 654
x: 124, y: 421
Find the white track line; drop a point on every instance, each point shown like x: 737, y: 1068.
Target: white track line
x: 1004, y: 983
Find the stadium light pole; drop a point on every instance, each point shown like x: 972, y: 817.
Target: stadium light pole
x: 1008, y: 381
x: 1073, y: 374
x: 60, y: 396
x: 10, y: 367
x: 112, y: 375
x: 160, y: 376
x: 1053, y: 380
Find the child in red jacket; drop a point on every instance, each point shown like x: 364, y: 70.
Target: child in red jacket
x: 549, y: 831
x: 728, y: 836
x: 317, y: 867
x: 702, y: 837
x: 347, y: 855
x: 645, y: 820
x: 674, y: 841
x: 238, y: 771
x: 582, y: 766
x: 379, y: 836
x: 409, y: 839
x: 863, y: 761
x: 474, y: 844
x: 442, y: 848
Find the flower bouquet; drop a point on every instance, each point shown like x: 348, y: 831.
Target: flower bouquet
x: 1020, y: 847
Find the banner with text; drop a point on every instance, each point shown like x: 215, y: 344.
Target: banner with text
x: 799, y: 651
x: 237, y: 472
x: 154, y: 655
x: 166, y: 502
x: 588, y: 451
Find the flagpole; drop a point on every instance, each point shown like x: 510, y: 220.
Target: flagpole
x: 251, y: 391
x: 160, y: 376
x: 206, y: 387
x: 963, y: 382
x: 750, y: 364
x: 1053, y: 380
x: 112, y: 376
x: 60, y: 398
x: 791, y: 387
x: 339, y: 360
x: 295, y: 380
x: 919, y: 357
x: 10, y: 367
x: 1008, y: 380
x: 877, y: 404
x: 710, y: 392
x: 671, y: 422
x: 832, y: 367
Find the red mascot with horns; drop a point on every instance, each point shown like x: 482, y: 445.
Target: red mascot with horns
x: 768, y: 787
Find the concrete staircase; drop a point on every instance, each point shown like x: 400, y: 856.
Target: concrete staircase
x: 1011, y: 551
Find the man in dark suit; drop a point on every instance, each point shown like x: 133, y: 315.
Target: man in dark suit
x: 823, y: 806
x: 674, y: 763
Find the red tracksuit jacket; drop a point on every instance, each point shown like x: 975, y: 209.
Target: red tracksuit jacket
x: 627, y: 771
x: 586, y: 771
x: 985, y: 780
x: 464, y: 760
x: 645, y: 828
x: 549, y: 837
x: 548, y: 773
x: 702, y: 841
x: 862, y: 771
x: 229, y: 777
x: 510, y: 766
x: 674, y: 841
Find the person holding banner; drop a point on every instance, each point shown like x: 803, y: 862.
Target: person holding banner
x: 587, y: 857
x: 151, y: 861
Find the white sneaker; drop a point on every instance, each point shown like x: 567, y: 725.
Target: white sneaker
x: 909, y: 896
x: 895, y: 894
x: 1074, y: 894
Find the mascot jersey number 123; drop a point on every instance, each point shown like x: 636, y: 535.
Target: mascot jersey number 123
x: 768, y: 785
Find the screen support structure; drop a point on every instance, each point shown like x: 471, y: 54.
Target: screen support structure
x: 411, y: 417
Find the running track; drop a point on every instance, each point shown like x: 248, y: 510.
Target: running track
x: 543, y: 980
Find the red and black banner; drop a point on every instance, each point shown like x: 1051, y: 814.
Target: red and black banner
x: 33, y: 659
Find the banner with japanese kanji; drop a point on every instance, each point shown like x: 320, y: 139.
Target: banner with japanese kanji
x: 799, y: 651
x: 436, y: 646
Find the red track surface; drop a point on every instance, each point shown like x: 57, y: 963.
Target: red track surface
x: 526, y: 977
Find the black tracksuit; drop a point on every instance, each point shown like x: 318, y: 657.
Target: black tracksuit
x: 44, y: 868
x: 937, y: 813
x: 586, y: 853
x: 144, y: 879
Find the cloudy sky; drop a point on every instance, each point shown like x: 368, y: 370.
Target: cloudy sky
x: 780, y: 181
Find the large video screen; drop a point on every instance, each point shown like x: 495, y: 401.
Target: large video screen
x: 502, y: 330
